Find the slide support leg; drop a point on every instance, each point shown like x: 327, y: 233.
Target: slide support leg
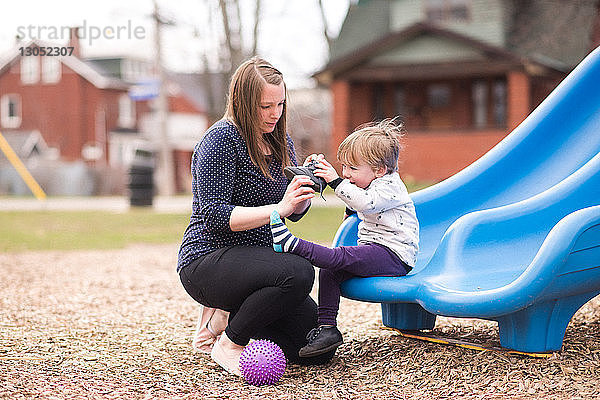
x: 540, y: 327
x: 407, y: 316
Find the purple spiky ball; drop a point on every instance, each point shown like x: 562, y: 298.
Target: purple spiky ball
x: 262, y: 363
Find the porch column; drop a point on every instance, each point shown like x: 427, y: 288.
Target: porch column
x: 518, y: 99
x: 340, y: 91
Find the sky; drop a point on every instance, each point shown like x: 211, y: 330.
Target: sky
x: 291, y: 36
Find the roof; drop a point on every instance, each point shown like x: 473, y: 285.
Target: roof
x: 93, y: 76
x: 552, y: 34
x: 105, y: 73
x: 106, y: 66
x: 80, y: 67
x: 481, y: 53
x: 355, y: 33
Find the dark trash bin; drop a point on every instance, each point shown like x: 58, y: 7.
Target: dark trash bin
x: 141, y: 185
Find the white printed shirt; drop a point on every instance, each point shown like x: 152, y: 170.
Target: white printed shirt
x: 387, y: 213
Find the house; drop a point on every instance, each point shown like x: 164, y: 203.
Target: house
x: 85, y: 112
x: 460, y: 74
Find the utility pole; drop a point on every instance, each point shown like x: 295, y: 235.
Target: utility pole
x: 166, y: 172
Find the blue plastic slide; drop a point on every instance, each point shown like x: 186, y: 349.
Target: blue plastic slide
x: 502, y: 239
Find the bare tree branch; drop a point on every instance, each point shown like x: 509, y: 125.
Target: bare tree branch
x: 328, y: 38
x: 226, y: 27
x: 255, y: 30
x: 232, y: 26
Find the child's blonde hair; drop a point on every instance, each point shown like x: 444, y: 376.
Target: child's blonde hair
x: 377, y: 144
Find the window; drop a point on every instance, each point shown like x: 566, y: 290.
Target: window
x: 30, y: 70
x: 10, y: 111
x: 499, y: 93
x: 51, y: 70
x: 480, y: 104
x: 438, y: 96
x: 489, y: 103
x: 447, y: 10
x: 126, y: 112
x: 378, y: 101
x: 400, y: 101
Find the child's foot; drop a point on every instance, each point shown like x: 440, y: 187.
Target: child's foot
x: 321, y: 340
x: 227, y: 355
x: 283, y: 240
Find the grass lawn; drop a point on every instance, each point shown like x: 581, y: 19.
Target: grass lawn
x: 78, y: 230
x: 66, y: 230
x: 319, y: 225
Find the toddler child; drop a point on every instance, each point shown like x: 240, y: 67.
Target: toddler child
x: 388, y: 233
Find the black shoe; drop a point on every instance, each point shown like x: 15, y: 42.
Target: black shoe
x: 319, y: 183
x: 321, y: 340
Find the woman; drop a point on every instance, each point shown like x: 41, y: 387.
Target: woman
x: 226, y: 261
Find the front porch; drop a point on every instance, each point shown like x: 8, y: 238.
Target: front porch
x: 450, y: 121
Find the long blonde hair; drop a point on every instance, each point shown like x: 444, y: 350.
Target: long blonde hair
x: 243, y: 102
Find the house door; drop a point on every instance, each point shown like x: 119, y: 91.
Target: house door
x: 438, y: 114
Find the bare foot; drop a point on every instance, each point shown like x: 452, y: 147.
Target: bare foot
x: 227, y: 355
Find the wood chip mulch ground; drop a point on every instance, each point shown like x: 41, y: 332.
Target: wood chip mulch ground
x: 117, y: 325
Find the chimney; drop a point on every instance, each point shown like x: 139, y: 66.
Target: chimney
x: 74, y: 41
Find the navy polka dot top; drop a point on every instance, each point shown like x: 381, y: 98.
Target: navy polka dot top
x: 223, y: 176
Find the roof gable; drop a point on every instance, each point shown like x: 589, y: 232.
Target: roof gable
x: 549, y: 33
x: 428, y: 48
x: 420, y: 43
x: 93, y: 76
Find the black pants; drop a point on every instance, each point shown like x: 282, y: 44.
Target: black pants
x: 266, y: 293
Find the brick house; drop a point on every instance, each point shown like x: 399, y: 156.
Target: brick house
x: 83, y: 110
x: 461, y: 74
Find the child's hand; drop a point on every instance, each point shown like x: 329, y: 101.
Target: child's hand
x: 326, y: 170
x: 313, y: 157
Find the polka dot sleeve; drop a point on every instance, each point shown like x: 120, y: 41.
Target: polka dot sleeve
x: 214, y: 169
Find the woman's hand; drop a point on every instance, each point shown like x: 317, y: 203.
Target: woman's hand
x: 295, y: 194
x: 326, y: 171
